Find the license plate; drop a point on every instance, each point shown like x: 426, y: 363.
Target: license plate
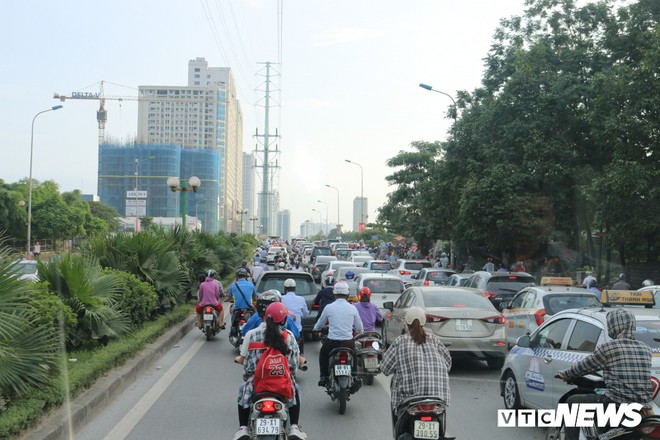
x: 371, y: 362
x: 268, y: 426
x: 463, y: 325
x: 342, y: 370
x: 427, y: 430
x: 208, y: 317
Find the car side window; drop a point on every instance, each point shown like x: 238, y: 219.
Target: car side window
x: 528, y: 303
x: 410, y: 299
x: 584, y: 337
x: 517, y: 302
x: 552, y: 335
x: 399, y: 302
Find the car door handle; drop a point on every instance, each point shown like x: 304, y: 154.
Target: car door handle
x: 547, y: 359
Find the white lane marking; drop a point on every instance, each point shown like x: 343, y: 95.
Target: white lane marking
x: 126, y: 425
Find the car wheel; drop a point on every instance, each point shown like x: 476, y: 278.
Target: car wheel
x: 511, y: 394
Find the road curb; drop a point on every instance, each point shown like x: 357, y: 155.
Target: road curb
x: 94, y: 400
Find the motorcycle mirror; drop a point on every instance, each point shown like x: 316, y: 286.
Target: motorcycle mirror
x: 375, y: 345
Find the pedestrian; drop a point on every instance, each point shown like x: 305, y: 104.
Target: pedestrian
x: 36, y: 250
x: 444, y: 261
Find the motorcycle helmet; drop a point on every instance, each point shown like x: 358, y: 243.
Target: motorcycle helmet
x: 289, y: 282
x: 415, y: 312
x: 364, y: 292
x: 341, y: 288
x: 281, y: 265
x: 647, y: 283
x: 622, y: 276
x: 266, y: 299
x: 211, y: 273
x: 443, y: 254
x: 277, y: 311
x: 241, y: 273
x: 350, y: 275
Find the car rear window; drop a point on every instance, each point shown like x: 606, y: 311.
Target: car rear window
x: 438, y: 276
x: 322, y: 267
x: 648, y: 331
x: 304, y: 285
x: 322, y: 251
x: 556, y: 303
x: 510, y: 283
x: 384, y: 286
x: 416, y: 265
x: 448, y: 299
x: 381, y: 266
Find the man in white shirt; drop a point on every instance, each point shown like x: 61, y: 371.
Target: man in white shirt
x: 342, y: 317
x: 297, y: 306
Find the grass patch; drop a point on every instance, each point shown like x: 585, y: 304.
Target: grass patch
x: 90, y: 365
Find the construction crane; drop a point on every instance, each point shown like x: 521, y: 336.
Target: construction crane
x: 102, y: 113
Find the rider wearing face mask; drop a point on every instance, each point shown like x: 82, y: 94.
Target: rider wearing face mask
x: 626, y: 366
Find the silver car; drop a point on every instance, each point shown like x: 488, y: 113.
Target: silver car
x: 405, y: 269
x: 384, y: 287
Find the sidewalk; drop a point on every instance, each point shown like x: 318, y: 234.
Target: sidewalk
x: 94, y: 400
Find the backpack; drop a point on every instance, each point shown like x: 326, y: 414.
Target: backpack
x: 272, y: 374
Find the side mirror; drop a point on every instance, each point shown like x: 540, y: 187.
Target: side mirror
x: 413, y: 277
x: 523, y: 341
x: 506, y: 305
x: 389, y: 305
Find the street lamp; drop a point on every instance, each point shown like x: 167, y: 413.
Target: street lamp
x: 253, y: 220
x: 29, y: 222
x: 338, y: 221
x: 241, y: 213
x: 361, y: 192
x: 428, y: 87
x: 175, y: 185
x: 137, y: 173
x: 326, y: 216
x: 320, y: 219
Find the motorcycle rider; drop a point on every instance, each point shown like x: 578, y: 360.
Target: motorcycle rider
x: 368, y: 311
x: 622, y: 284
x: 243, y: 294
x: 247, y: 269
x: 419, y: 362
x: 297, y: 306
x: 626, y: 366
x: 269, y: 334
x: 209, y: 295
x: 263, y: 301
x: 341, y: 317
x: 323, y: 298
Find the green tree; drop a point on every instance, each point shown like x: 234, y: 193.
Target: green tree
x: 106, y: 213
x: 52, y: 218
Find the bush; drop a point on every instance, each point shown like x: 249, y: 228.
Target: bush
x: 138, y: 300
x: 47, y: 307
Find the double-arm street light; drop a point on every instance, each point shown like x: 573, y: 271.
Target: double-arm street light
x: 338, y: 221
x: 175, y: 185
x: 29, y: 221
x: 361, y: 192
x: 326, y: 216
x: 241, y: 213
x: 253, y: 220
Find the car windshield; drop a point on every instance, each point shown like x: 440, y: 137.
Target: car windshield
x: 416, y: 265
x: 556, y: 303
x: 512, y: 283
x: 648, y: 331
x: 449, y: 299
x: 322, y: 251
x: 384, y: 286
x: 381, y: 266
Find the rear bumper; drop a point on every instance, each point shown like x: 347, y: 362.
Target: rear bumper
x: 479, y: 348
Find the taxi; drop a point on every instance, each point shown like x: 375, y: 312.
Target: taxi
x: 533, y: 305
x: 527, y: 379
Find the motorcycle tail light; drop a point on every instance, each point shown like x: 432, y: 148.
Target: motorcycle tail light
x: 425, y: 407
x: 650, y: 431
x: 500, y: 319
x: 426, y: 418
x: 208, y: 310
x: 538, y: 316
x: 268, y: 406
x: 655, y: 387
x: 343, y: 357
x: 316, y: 307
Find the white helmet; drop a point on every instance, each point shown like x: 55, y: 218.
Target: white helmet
x: 647, y: 283
x: 289, y: 282
x: 281, y: 265
x: 341, y: 289
x: 414, y: 313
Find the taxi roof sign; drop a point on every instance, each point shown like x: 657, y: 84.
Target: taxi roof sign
x: 627, y: 298
x: 556, y: 281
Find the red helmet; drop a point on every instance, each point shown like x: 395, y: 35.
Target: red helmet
x: 277, y: 311
x: 364, y: 291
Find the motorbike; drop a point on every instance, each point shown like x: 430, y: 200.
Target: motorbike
x: 648, y: 428
x: 341, y: 381
x: 268, y: 417
x: 368, y: 355
x: 210, y: 318
x: 239, y: 318
x: 421, y: 417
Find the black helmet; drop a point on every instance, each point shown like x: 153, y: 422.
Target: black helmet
x: 241, y: 273
x: 266, y: 299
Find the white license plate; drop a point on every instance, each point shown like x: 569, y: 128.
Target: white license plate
x: 208, y: 317
x: 427, y: 430
x: 371, y: 362
x: 463, y: 325
x: 342, y: 370
x: 268, y: 426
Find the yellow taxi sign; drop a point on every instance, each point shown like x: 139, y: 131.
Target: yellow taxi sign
x: 556, y: 281
x: 627, y: 297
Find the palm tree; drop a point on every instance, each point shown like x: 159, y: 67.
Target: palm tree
x: 28, y: 343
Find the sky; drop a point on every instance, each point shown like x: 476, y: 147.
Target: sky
x: 348, y: 84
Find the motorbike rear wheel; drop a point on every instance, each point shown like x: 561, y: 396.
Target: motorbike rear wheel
x: 341, y: 400
x: 209, y: 333
x: 369, y: 380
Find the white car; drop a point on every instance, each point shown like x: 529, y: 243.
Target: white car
x: 384, y: 287
x: 332, y: 266
x: 26, y: 270
x: 405, y: 269
x: 361, y: 259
